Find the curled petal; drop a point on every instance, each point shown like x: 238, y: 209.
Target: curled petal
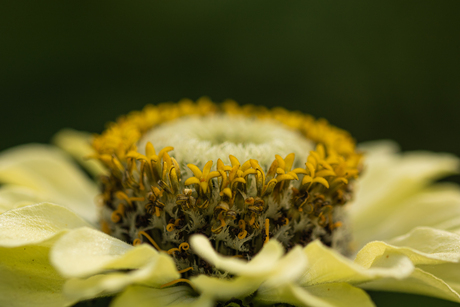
x: 261, y: 264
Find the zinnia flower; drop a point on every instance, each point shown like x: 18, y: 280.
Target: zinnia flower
x: 202, y: 204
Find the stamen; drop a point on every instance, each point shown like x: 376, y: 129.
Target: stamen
x: 243, y: 233
x: 184, y: 246
x: 105, y: 227
x: 267, y: 224
x: 118, y: 164
x: 118, y: 214
x: 336, y: 225
x: 141, y: 175
x: 185, y: 270
x: 173, y: 250
x: 286, y: 221
x: 136, y: 242
x: 322, y: 220
x: 177, y: 281
x: 122, y: 196
x: 150, y: 239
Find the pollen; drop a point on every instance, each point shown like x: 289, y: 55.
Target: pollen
x: 240, y: 175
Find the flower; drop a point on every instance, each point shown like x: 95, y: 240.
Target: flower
x: 294, y: 232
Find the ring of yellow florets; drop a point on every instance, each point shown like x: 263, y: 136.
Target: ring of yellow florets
x: 238, y: 206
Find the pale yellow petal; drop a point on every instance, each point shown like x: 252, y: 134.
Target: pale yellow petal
x: 447, y: 272
x: 225, y: 289
x: 288, y: 269
x: 327, y: 265
x: 274, y: 273
x: 419, y: 282
x: 432, y: 243
x: 85, y: 251
x: 437, y: 207
x: 36, y: 223
x: 388, y: 180
x: 178, y: 296
x: 423, y: 246
x: 26, y: 234
x: 52, y: 175
x: 16, y: 196
x: 261, y: 264
x: 321, y: 295
x: 78, y: 145
x: 160, y: 269
x: 436, y: 255
x: 28, y: 279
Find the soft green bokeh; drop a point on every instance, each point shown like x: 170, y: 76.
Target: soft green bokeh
x: 380, y: 69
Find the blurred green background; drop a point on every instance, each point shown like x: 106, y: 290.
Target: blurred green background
x: 379, y: 69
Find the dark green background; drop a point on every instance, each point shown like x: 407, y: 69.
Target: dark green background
x: 380, y: 69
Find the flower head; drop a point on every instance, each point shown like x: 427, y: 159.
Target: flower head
x: 237, y: 205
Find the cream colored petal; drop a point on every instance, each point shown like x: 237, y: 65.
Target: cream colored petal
x: 321, y: 295
x: 448, y: 272
x: 50, y: 173
x: 388, y: 180
x: 327, y: 265
x: 289, y: 269
x: 15, y: 196
x: 178, y: 296
x: 28, y: 279
x: 225, y: 289
x: 437, y: 207
x: 160, y: 270
x: 286, y: 270
x: 85, y: 251
x: 431, y: 243
x: 36, y: 224
x: 423, y: 246
x: 435, y: 253
x: 78, y: 144
x: 261, y: 264
x: 419, y: 282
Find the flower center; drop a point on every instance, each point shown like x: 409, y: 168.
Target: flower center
x: 200, y: 139
x: 239, y: 175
